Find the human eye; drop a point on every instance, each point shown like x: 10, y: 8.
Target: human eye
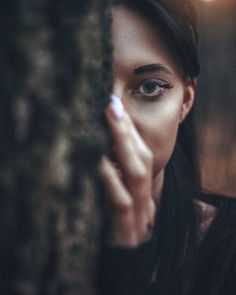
x: 151, y: 88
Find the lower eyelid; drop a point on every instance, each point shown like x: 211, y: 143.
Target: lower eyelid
x: 137, y: 92
x: 155, y: 94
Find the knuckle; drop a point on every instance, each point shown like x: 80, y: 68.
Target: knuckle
x: 148, y: 156
x: 125, y: 207
x: 139, y: 175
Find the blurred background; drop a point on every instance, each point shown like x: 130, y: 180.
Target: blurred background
x: 216, y: 98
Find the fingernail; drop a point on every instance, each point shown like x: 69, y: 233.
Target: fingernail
x: 117, y: 106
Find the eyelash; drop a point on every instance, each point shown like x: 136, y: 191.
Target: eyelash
x: 161, y: 84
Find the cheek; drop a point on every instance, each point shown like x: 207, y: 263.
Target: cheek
x: 158, y: 125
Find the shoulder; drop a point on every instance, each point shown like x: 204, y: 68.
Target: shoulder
x: 208, y: 205
x: 216, y: 200
x: 207, y: 213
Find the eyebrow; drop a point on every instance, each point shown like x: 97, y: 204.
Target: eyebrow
x: 152, y: 68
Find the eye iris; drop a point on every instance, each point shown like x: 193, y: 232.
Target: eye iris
x: 149, y: 87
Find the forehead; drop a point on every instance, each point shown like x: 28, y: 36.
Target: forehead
x: 136, y: 41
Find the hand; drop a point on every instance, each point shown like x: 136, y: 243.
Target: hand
x: 129, y: 191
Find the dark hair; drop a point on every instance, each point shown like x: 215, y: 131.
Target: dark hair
x: 177, y: 252
x: 176, y: 22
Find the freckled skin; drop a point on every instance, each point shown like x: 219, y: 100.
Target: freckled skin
x: 136, y: 42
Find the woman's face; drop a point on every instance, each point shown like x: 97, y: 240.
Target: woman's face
x: 149, y: 83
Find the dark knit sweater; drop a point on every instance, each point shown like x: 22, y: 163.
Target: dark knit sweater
x: 129, y: 271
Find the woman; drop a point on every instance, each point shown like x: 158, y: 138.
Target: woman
x: 160, y: 238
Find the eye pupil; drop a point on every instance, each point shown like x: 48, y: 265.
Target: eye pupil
x: 149, y: 87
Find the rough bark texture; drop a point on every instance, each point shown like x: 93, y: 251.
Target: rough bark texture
x: 54, y: 82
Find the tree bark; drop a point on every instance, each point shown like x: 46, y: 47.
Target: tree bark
x: 55, y: 82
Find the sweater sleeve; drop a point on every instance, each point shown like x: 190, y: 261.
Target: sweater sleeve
x: 123, y: 270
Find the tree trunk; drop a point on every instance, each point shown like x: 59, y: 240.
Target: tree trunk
x: 54, y: 80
